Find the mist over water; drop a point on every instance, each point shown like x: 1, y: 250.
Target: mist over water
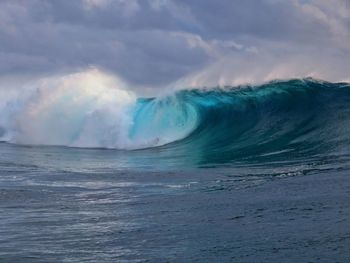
x: 153, y: 131
x: 91, y: 172
x: 294, y: 118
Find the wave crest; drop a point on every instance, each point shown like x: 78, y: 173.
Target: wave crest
x: 92, y: 109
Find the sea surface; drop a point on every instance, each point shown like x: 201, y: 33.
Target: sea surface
x: 233, y: 174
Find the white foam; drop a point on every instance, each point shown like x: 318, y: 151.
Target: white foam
x: 89, y: 109
x: 84, y: 109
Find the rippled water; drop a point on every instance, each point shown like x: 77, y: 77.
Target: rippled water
x: 88, y: 205
x: 247, y: 174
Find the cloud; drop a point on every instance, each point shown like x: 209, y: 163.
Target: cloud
x: 152, y: 43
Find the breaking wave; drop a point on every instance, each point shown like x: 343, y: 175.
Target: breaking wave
x: 298, y: 117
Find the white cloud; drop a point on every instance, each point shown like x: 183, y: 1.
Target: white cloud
x: 156, y: 42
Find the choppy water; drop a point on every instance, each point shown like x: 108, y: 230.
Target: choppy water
x: 253, y: 174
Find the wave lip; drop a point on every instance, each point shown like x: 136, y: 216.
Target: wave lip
x: 294, y: 118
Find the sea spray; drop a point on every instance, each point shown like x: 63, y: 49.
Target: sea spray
x: 85, y: 109
x: 301, y: 117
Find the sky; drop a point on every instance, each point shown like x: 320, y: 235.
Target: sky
x: 152, y: 44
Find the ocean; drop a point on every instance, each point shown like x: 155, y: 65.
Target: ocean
x: 227, y: 174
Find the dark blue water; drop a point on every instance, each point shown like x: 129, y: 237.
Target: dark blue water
x: 262, y: 176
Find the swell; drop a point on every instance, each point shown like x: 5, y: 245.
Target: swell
x: 294, y: 119
x: 290, y: 119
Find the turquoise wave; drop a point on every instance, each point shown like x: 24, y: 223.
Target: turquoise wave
x: 287, y: 119
x: 280, y: 120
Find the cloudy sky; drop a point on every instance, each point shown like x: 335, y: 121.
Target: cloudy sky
x: 155, y: 43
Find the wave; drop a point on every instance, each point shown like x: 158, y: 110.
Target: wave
x: 87, y: 109
x: 299, y: 117
x: 296, y: 119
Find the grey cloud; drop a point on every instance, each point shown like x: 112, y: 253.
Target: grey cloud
x: 153, y: 43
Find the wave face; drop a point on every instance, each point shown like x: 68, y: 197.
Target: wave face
x: 296, y: 118
x: 291, y: 119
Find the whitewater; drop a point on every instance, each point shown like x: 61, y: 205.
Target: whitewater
x: 90, y: 171
x: 94, y: 110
